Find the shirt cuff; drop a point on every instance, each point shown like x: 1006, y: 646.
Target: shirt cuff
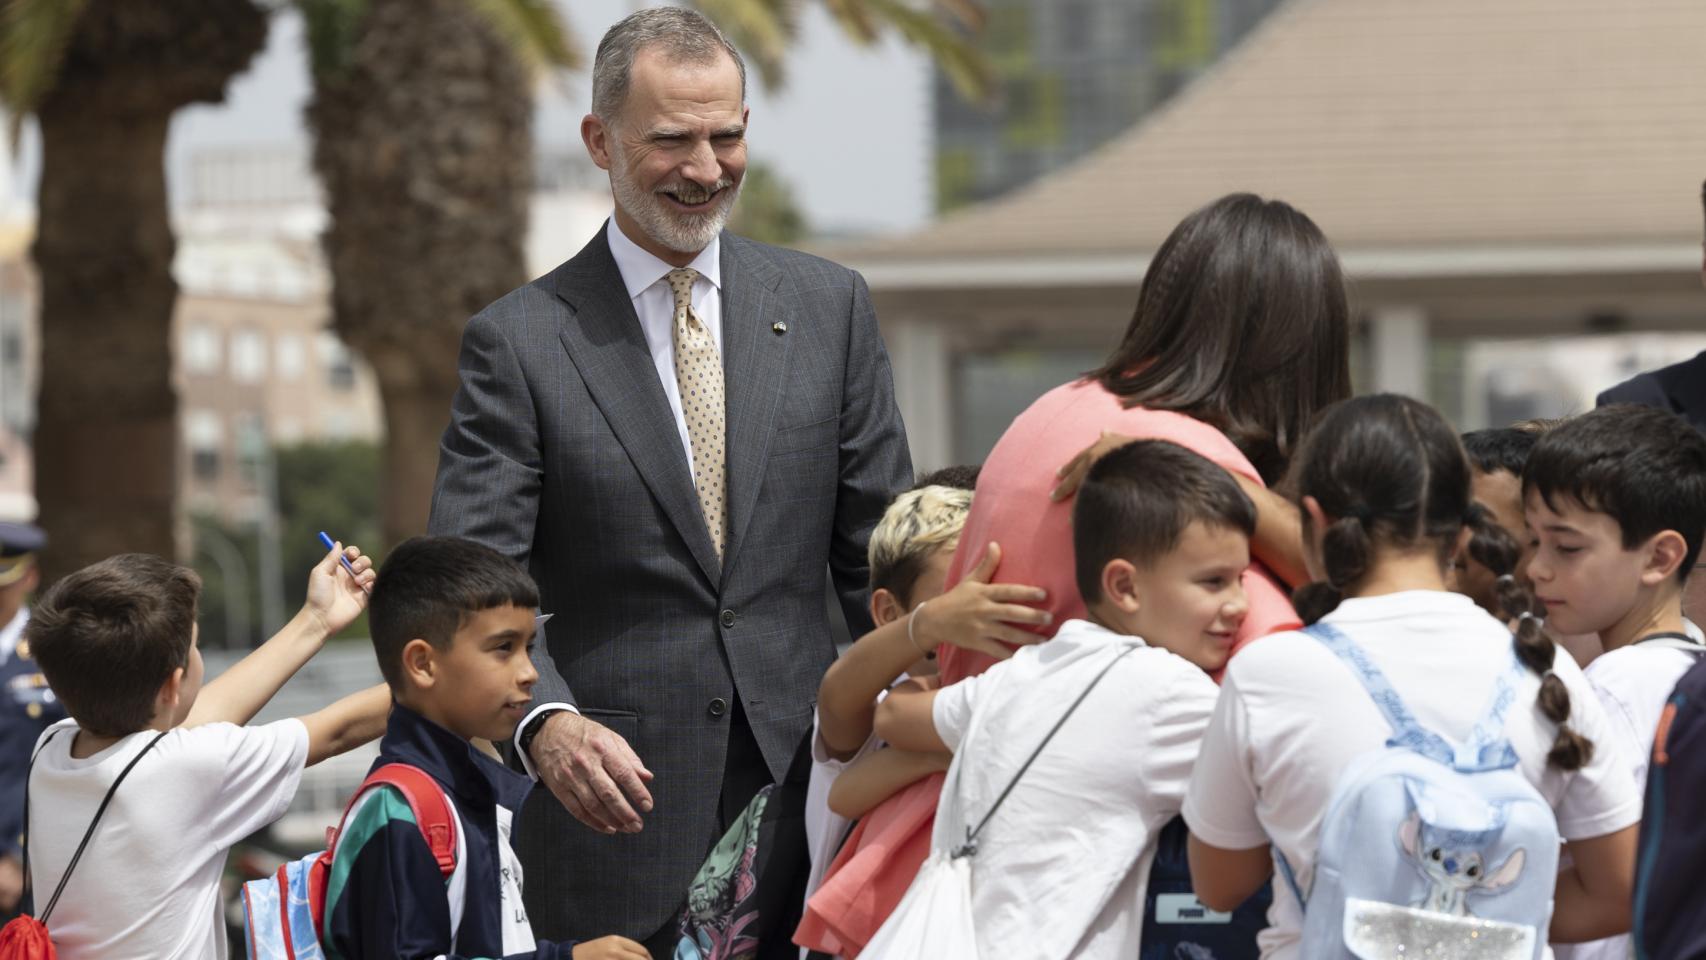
x: 534, y: 714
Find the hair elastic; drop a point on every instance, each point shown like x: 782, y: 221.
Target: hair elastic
x: 1505, y: 580
x: 1528, y: 615
x: 928, y: 654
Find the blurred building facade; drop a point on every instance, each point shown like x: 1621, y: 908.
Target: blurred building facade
x: 1070, y: 76
x: 257, y: 365
x: 1508, y: 185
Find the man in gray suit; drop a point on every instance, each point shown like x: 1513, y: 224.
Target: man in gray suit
x: 679, y: 431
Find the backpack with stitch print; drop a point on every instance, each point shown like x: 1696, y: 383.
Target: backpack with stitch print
x: 1430, y: 848
x: 283, y: 914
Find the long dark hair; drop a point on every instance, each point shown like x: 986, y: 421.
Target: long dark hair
x: 1389, y: 471
x: 1242, y: 323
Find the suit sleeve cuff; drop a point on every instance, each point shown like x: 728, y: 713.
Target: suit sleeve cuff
x: 534, y: 714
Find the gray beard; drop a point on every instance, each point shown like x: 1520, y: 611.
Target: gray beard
x: 683, y: 233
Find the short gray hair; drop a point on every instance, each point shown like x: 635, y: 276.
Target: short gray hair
x: 685, y: 36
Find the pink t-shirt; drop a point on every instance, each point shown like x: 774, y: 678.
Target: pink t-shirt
x: 1012, y: 506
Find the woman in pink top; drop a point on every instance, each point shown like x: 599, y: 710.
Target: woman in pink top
x: 1241, y: 334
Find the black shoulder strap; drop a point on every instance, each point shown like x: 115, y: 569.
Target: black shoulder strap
x: 87, y: 834
x: 969, y: 848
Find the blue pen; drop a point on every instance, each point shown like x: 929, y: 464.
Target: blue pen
x: 342, y: 558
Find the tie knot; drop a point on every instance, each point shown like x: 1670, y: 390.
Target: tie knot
x: 681, y: 284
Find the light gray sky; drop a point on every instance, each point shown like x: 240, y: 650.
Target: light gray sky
x: 851, y: 133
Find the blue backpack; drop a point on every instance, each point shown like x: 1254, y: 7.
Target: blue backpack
x: 1670, y: 900
x: 283, y: 914
x: 1430, y: 849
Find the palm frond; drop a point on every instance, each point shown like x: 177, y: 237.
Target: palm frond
x: 951, y: 48
x: 763, y: 30
x: 855, y: 19
x: 533, y: 28
x: 34, y: 35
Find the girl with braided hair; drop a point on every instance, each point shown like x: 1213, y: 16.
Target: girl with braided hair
x: 1384, y: 489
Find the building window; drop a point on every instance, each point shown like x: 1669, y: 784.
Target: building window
x: 204, y: 434
x: 248, y: 357
x: 290, y: 356
x: 201, y: 348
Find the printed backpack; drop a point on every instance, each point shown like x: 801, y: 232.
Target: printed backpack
x: 283, y: 913
x: 1176, y: 925
x: 1670, y: 900
x: 1430, y: 849
x: 747, y: 898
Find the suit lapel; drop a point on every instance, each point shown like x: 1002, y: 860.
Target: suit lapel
x: 605, y: 342
x: 754, y: 361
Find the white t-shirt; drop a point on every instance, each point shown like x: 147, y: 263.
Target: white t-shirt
x: 148, y: 885
x: 1292, y: 716
x: 1062, y: 868
x: 1633, y: 684
x: 826, y: 829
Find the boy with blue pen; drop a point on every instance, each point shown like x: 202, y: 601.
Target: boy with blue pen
x: 132, y: 803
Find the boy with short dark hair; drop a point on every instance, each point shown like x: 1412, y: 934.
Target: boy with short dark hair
x: 1161, y: 539
x: 453, y: 626
x: 1496, y: 459
x: 118, y: 643
x: 1616, y: 500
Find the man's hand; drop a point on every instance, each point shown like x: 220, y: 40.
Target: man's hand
x: 1073, y: 472
x: 610, y: 948
x: 593, y: 773
x: 335, y: 598
x: 979, y: 615
x: 11, y: 883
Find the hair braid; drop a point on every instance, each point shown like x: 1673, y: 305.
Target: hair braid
x: 1493, y: 547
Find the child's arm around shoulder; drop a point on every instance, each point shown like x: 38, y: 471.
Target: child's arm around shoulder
x: 334, y: 600
x: 878, y: 776
x: 906, y: 717
x: 356, y: 719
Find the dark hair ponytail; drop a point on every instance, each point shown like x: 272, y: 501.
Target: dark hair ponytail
x: 1388, y: 470
x: 1494, y: 548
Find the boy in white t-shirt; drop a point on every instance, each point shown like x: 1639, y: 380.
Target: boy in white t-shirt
x: 1616, y: 499
x: 117, y: 641
x: 1161, y: 539
x: 1385, y: 491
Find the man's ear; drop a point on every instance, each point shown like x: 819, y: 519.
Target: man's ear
x: 886, y: 608
x: 420, y: 663
x: 595, y: 133
x: 1665, y: 553
x: 1119, y: 585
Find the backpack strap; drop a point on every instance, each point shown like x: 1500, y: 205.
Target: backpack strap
x: 1407, y: 732
x: 969, y: 848
x: 426, y: 800
x: 88, y: 834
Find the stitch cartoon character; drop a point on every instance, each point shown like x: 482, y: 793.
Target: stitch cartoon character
x: 1453, y: 871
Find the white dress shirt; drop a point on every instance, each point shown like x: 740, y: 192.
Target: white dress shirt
x: 645, y: 276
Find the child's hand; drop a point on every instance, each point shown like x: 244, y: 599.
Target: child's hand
x: 979, y: 615
x: 335, y: 599
x: 610, y: 948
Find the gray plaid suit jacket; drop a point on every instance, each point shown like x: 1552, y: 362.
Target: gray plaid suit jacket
x: 562, y: 452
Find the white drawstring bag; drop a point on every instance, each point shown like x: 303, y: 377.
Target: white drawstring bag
x: 933, y: 921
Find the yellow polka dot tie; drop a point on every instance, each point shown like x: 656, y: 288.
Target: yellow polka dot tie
x: 699, y: 375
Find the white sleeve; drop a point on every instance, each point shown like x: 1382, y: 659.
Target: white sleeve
x: 1220, y: 803
x: 954, y: 706
x: 1601, y: 797
x: 262, y: 767
x: 1178, y: 720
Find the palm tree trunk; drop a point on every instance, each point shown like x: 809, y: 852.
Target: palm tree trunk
x: 106, y: 437
x: 423, y: 141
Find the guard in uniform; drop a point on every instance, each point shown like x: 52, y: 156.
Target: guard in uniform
x: 27, y: 706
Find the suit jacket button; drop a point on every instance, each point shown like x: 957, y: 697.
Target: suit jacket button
x: 728, y: 618
x: 718, y: 707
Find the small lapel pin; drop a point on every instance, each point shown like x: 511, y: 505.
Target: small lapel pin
x: 779, y: 327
